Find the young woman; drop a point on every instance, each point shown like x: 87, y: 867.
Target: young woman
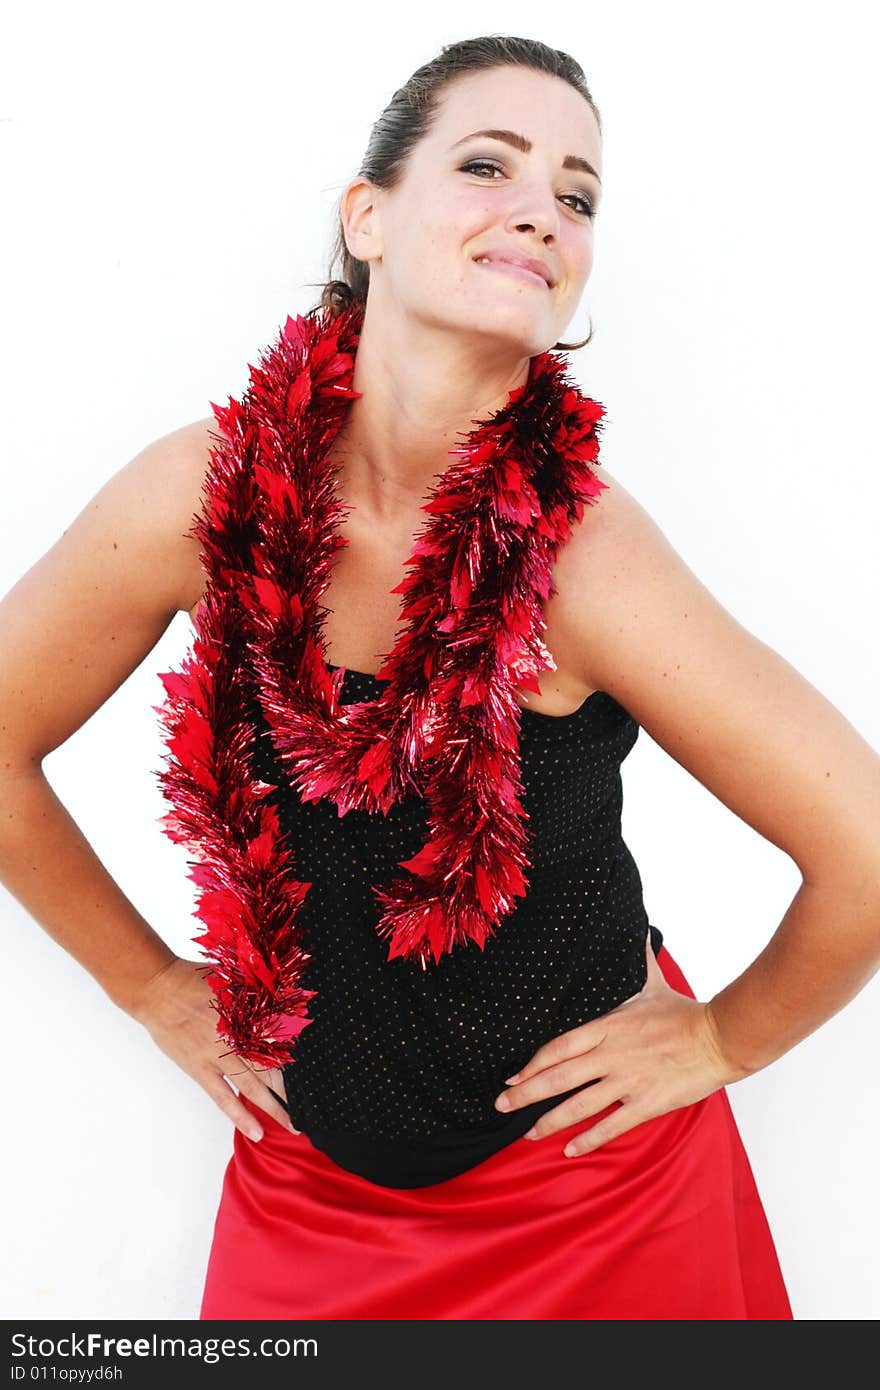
x: 469, y: 1080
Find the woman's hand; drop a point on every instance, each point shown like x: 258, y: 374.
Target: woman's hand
x: 653, y: 1053
x: 177, y: 1010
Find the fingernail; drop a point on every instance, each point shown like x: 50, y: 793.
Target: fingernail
x: 531, y: 1134
x: 502, y: 1103
x: 511, y: 1078
x: 255, y: 1134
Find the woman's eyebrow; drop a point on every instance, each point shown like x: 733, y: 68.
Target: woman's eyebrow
x: 519, y: 142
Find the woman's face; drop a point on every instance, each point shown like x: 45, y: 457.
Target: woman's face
x: 465, y: 196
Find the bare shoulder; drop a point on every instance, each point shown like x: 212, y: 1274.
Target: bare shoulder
x: 727, y: 706
x: 618, y: 562
x: 646, y: 627
x: 614, y: 552
x: 145, y: 511
x: 173, y: 468
x: 611, y: 527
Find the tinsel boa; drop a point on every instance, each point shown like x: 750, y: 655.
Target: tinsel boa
x: 446, y: 725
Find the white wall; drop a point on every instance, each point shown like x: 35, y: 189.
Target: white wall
x: 169, y: 178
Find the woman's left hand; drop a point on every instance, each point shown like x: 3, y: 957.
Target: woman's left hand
x: 655, y: 1052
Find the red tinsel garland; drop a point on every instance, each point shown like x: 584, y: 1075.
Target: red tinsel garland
x: 446, y: 726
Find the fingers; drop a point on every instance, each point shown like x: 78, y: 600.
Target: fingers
x: 623, y: 1119
x: 249, y: 1083
x: 273, y: 1077
x: 587, y: 1036
x: 182, y: 1020
x: 554, y: 1081
x: 221, y: 1092
x: 257, y: 1084
x: 582, y: 1039
x: 267, y: 1102
x: 582, y: 1105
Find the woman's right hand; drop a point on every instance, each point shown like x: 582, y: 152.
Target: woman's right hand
x: 177, y: 1010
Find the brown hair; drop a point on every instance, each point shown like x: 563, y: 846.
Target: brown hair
x: 410, y: 114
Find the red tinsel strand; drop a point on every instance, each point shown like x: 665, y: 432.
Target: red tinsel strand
x: 247, y: 896
x: 447, y: 723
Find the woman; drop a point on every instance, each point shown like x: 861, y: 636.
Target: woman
x: 392, y: 1038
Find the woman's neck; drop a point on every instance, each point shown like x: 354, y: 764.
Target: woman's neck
x: 415, y: 407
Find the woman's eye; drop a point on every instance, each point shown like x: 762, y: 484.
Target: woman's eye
x: 588, y: 210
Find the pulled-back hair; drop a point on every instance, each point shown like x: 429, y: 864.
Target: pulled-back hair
x: 409, y: 116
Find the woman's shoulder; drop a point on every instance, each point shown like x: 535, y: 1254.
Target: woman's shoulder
x: 152, y: 502
x: 603, y: 570
x: 178, y: 462
x: 613, y: 519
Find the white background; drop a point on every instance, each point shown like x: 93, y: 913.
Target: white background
x: 170, y: 175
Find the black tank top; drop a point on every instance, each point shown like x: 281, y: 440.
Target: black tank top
x: 395, y: 1077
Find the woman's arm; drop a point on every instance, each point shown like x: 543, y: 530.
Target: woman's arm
x: 759, y: 736
x: 71, y: 630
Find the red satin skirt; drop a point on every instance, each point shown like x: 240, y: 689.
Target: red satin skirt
x: 663, y: 1222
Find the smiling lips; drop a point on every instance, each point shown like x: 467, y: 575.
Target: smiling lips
x: 512, y: 268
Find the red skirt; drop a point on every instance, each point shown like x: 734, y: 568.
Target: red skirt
x: 663, y: 1222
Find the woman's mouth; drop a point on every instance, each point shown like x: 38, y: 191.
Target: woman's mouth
x: 517, y: 270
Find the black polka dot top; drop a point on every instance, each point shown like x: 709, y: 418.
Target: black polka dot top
x: 396, y: 1076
